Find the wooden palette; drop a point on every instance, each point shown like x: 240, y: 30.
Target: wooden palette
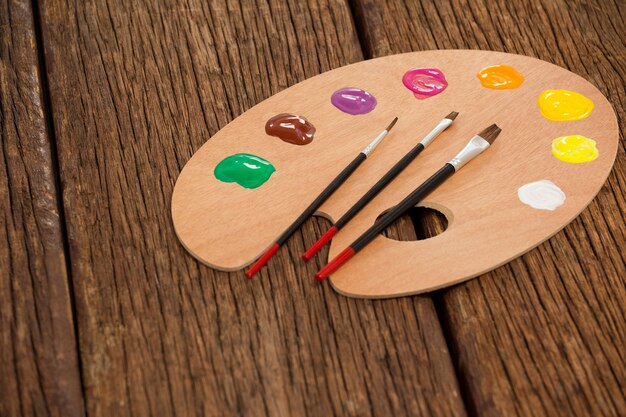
x: 227, y: 226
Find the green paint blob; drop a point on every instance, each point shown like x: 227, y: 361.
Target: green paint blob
x: 249, y: 171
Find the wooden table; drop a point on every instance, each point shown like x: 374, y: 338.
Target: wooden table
x: 103, y: 313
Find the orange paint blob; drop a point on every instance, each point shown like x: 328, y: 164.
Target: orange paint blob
x: 500, y: 77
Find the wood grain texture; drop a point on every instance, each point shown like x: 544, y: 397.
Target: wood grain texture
x: 136, y: 88
x: 227, y: 226
x: 544, y: 335
x: 38, y: 360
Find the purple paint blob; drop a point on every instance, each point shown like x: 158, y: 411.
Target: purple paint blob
x: 353, y: 100
x: 425, y: 82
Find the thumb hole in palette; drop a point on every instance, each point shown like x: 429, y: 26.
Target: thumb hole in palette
x: 420, y: 223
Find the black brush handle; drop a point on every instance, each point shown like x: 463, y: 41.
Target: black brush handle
x: 382, y: 183
x: 328, y: 191
x: 410, y: 201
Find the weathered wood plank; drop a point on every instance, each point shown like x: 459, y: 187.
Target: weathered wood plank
x: 137, y: 87
x: 546, y: 334
x: 38, y: 361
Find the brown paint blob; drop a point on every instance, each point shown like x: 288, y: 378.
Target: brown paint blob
x: 290, y: 128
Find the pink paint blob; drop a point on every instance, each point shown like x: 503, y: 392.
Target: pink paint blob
x: 425, y: 82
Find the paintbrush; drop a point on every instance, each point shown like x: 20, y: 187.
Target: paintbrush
x: 382, y: 183
x: 328, y: 191
x: 474, y: 147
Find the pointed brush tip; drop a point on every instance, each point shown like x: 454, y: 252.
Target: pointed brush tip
x: 491, y: 133
x: 452, y: 115
x: 392, y: 124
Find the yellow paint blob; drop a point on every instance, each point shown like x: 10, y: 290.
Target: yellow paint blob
x: 564, y: 105
x: 575, y: 149
x: 500, y: 77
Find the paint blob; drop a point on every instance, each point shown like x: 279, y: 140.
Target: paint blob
x: 353, y: 101
x: 425, y: 82
x: 290, y: 128
x: 564, y: 105
x: 500, y: 77
x: 247, y: 170
x: 542, y: 195
x: 575, y: 149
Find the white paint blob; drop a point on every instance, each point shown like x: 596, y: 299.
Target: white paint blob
x: 542, y: 195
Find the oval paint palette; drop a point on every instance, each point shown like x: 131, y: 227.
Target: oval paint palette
x: 227, y: 225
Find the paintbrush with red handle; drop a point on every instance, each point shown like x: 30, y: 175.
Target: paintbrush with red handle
x: 328, y: 191
x: 475, y: 146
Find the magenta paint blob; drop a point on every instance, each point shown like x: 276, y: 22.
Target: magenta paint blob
x: 425, y: 82
x: 353, y: 101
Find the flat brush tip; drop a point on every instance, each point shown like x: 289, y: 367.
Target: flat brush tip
x: 392, y: 124
x: 491, y: 133
x: 452, y: 115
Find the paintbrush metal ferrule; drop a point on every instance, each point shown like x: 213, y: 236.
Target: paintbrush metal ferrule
x: 432, y: 135
x: 474, y: 147
x: 374, y: 143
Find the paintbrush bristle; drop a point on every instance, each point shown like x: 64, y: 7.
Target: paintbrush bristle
x: 392, y: 124
x: 491, y: 133
x: 452, y: 115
